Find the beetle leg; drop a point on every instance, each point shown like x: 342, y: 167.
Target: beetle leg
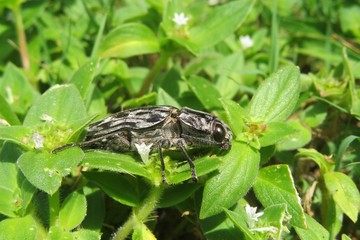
x: 189, y: 160
x: 163, y: 176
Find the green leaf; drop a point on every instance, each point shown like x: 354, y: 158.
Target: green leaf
x: 350, y: 18
x: 315, y: 114
x: 354, y: 93
x: 276, y: 98
x: 230, y: 73
x: 95, y: 209
x: 220, y: 23
x: 21, y: 228
x: 343, y: 146
x: 56, y: 233
x: 63, y: 103
x: 96, y: 103
x: 235, y: 115
x: 16, y: 89
x: 220, y: 226
x: 83, y: 77
x: 163, y: 98
x: 275, y: 216
x: 157, y: 4
x: 15, y: 191
x: 239, y: 221
x: 45, y: 170
x: 129, y: 40
x: 72, y: 211
x: 275, y: 185
x: 205, y: 92
x: 143, y: 100
x: 313, y: 231
x: 205, y: 60
x: 115, y: 162
x: 236, y: 175
x: 14, y: 5
x: 344, y: 237
x: 16, y: 134
x: 344, y: 192
x: 175, y: 194
x: 78, y: 127
x: 171, y: 29
x: 275, y: 132
x: 317, y: 157
x: 84, y: 234
x: 7, y: 113
x: 298, y: 139
x: 203, y: 166
x: 130, y: 11
x: 129, y: 194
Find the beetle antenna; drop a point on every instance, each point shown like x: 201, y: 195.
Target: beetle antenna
x: 64, y: 147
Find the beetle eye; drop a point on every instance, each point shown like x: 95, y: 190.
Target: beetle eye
x: 219, y: 133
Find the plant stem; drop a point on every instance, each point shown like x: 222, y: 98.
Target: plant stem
x: 54, y: 207
x: 140, y: 214
x: 153, y: 72
x: 21, y: 38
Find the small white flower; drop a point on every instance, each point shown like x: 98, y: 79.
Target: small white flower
x: 215, y: 2
x: 4, y: 122
x: 38, y: 140
x: 144, y: 151
x: 180, y: 19
x: 252, y: 216
x: 46, y: 118
x: 251, y: 213
x: 246, y: 41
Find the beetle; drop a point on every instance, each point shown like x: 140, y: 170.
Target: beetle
x: 162, y: 127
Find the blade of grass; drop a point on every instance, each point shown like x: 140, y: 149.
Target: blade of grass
x: 98, y: 37
x: 274, y: 47
x: 343, y: 146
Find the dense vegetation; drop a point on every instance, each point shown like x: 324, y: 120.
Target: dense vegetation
x: 284, y: 75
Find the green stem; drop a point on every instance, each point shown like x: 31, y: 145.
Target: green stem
x: 140, y: 214
x: 153, y: 72
x: 21, y: 38
x: 274, y: 47
x: 54, y: 207
x: 329, y: 214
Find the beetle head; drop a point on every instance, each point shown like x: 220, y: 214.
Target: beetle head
x: 201, y: 129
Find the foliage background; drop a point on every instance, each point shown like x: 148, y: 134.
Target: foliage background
x: 76, y: 61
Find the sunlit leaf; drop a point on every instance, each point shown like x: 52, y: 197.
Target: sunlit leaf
x: 45, y: 171
x: 275, y: 185
x: 345, y: 193
x: 236, y: 175
x: 128, y: 40
x: 276, y: 97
